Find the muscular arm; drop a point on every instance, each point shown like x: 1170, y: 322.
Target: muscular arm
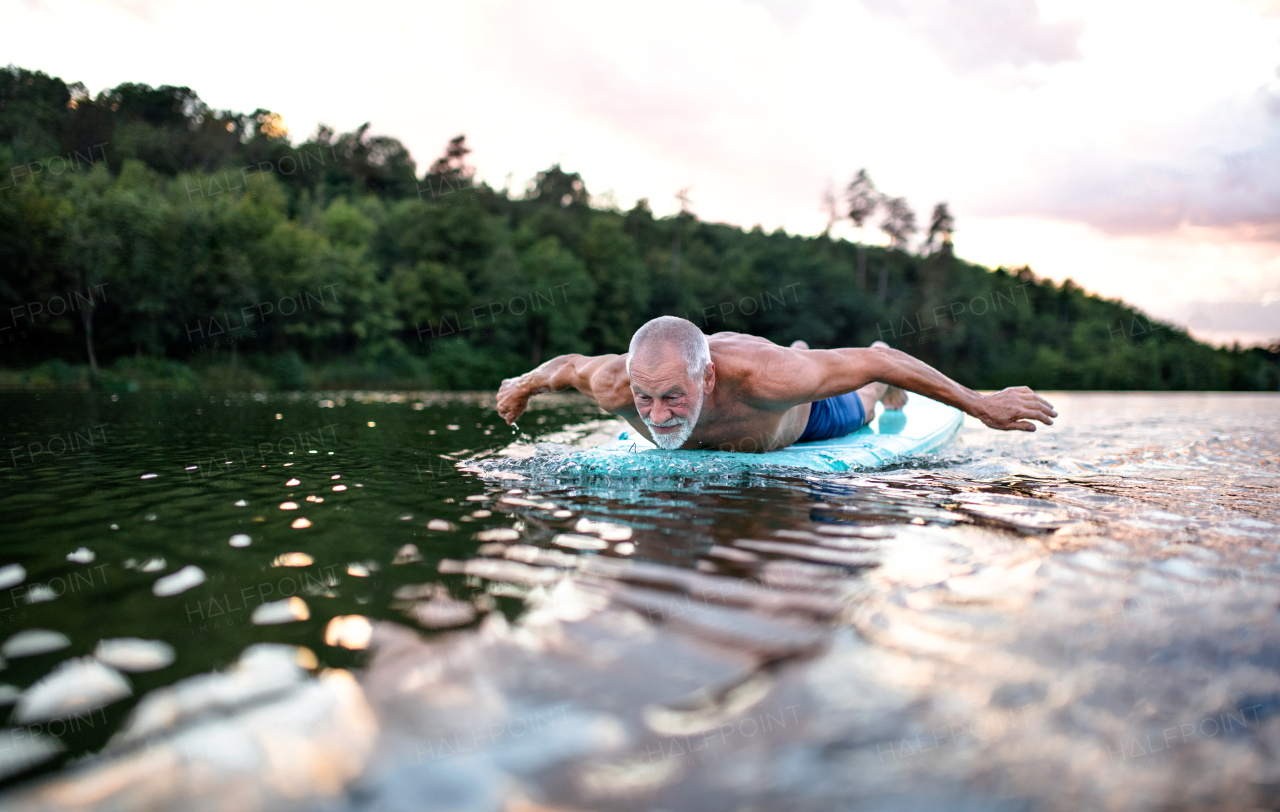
x: 817, y: 374
x: 603, y: 378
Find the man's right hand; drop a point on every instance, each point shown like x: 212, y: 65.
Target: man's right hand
x: 1014, y: 408
x: 513, y: 397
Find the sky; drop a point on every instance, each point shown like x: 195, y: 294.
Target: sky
x: 1133, y: 147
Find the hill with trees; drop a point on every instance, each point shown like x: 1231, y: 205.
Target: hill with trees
x: 147, y: 239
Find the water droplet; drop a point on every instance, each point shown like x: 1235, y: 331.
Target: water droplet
x: 134, y: 654
x: 34, y: 641
x: 11, y: 575
x: 407, y: 554
x: 578, y: 542
x: 274, y: 613
x: 441, y: 612
x: 293, y: 560
x: 349, y: 631
x: 605, y: 530
x: 186, y: 578
x: 74, y: 687
x: 40, y: 593
x: 497, y: 534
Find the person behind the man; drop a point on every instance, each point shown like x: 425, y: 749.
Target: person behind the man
x: 737, y: 392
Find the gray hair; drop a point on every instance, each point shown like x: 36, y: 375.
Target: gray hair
x: 683, y: 333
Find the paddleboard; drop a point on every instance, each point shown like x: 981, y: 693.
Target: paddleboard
x: 922, y: 426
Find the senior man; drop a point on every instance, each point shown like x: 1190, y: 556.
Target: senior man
x: 736, y: 392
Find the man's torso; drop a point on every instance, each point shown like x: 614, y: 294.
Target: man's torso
x: 734, y: 416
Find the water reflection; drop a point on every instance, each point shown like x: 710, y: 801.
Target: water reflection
x: 1080, y: 619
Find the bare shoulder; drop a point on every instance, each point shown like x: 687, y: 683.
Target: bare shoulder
x: 729, y: 338
x: 610, y: 385
x: 763, y: 373
x: 737, y: 355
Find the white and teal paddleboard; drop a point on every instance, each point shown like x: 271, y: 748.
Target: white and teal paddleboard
x: 923, y: 426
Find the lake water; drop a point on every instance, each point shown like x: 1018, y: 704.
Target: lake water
x: 1080, y: 618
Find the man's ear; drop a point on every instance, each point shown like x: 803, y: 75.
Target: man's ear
x: 709, y: 379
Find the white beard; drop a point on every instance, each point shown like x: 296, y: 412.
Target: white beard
x: 671, y: 442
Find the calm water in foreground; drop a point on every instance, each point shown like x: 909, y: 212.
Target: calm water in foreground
x: 1082, y: 618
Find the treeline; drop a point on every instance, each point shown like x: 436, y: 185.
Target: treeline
x: 145, y: 235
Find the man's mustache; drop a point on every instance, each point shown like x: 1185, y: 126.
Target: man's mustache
x: 672, y: 423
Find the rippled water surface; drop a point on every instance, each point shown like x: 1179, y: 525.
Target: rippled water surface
x: 392, y: 602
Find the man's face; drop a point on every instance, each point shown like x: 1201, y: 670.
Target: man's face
x: 668, y: 401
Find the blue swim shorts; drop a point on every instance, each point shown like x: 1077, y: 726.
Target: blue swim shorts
x: 834, y: 417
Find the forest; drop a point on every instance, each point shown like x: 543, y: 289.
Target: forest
x: 149, y: 241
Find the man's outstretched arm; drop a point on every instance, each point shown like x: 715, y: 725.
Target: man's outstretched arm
x: 603, y: 378
x: 826, y: 373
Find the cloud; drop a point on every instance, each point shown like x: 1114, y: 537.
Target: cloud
x: 1151, y: 168
x: 142, y: 9
x: 1215, y: 282
x: 976, y: 34
x: 1236, y: 190
x: 1247, y: 316
x: 785, y: 12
